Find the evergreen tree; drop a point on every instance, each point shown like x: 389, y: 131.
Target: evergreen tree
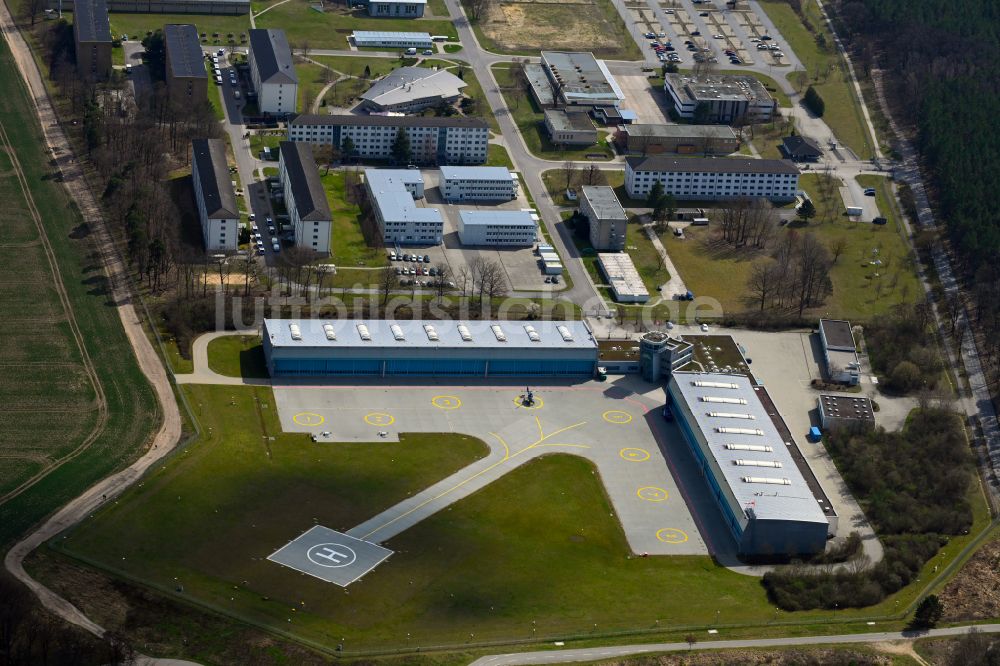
x: 401, y: 148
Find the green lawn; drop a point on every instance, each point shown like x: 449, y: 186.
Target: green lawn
x: 825, y: 70
x: 646, y: 259
x: 312, y: 79
x: 137, y: 25
x: 215, y: 94
x: 555, y: 181
x: 237, y: 356
x: 265, y: 139
x: 530, y: 122
x: 452, y: 48
x: 348, y: 247
x: 49, y: 401
x: 330, y: 29
x: 497, y: 156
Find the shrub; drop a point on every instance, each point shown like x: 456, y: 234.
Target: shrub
x: 814, y: 102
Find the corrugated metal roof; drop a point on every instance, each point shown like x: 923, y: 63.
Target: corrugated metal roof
x: 307, y: 189
x: 184, y: 54
x: 348, y: 334
x: 769, y: 501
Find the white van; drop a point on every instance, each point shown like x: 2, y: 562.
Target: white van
x: 411, y: 52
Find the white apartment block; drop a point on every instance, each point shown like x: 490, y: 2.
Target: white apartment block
x: 214, y: 195
x: 712, y: 178
x: 607, y: 218
x: 273, y: 71
x: 462, y: 183
x: 392, y: 193
x: 497, y: 227
x: 305, y: 198
x: 457, y: 140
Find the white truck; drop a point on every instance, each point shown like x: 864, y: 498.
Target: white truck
x: 855, y: 211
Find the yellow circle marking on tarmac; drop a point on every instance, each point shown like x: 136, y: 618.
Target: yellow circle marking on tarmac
x: 308, y: 419
x: 672, y: 535
x: 537, y: 404
x: 634, y: 455
x: 379, y: 419
x: 652, y: 494
x: 617, y: 417
x: 446, y: 402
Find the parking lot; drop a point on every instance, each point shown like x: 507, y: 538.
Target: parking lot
x: 520, y: 264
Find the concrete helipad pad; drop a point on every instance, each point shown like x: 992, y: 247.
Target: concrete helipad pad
x: 331, y: 556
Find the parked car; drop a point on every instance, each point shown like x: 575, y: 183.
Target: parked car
x: 880, y: 220
x: 427, y: 258
x: 704, y: 328
x: 428, y: 51
x: 869, y: 191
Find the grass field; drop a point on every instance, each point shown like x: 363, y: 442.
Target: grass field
x: 497, y: 156
x: 215, y: 94
x: 530, y: 122
x: 50, y: 408
x: 826, y: 70
x: 527, y: 27
x: 237, y: 356
x: 710, y: 268
x: 137, y: 25
x: 330, y: 29
x: 348, y: 247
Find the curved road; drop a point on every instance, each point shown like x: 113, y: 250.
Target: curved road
x: 170, y: 430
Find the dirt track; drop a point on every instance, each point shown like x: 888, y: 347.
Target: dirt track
x: 170, y: 430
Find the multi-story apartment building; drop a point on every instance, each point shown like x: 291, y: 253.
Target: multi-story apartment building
x: 187, y: 80
x: 92, y: 39
x: 606, y: 215
x: 305, y: 198
x: 392, y: 193
x: 712, y: 178
x: 214, y: 195
x: 272, y: 71
x: 464, y: 183
x: 455, y: 140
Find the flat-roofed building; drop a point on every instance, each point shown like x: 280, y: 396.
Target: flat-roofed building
x: 623, y: 277
x: 722, y: 98
x: 455, y: 140
x: 606, y: 216
x: 395, y: 40
x: 704, y: 178
x: 464, y: 183
x: 652, y: 139
x: 539, y: 85
x: 839, y: 351
x: 845, y: 412
x: 412, y: 89
x: 427, y: 348
x: 396, y: 8
x: 570, y: 128
x: 497, y: 227
x: 272, y: 71
x: 92, y: 39
x: 580, y: 79
x: 187, y: 80
x: 305, y: 198
x: 392, y: 193
x: 214, y: 195
x: 767, y: 502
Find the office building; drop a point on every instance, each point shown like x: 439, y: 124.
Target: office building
x: 712, y: 178
x: 272, y: 71
x: 606, y: 216
x: 214, y: 195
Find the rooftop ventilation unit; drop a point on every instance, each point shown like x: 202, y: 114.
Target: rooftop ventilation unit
x: 532, y: 333
x: 727, y: 401
x: 770, y: 480
x: 498, y: 332
x: 740, y: 431
x: 431, y: 332
x: 757, y: 463
x: 750, y: 447
x: 725, y: 385
x: 463, y: 330
x: 397, y: 332
x: 364, y: 333
x: 329, y: 332
x: 295, y: 331
x: 564, y: 332
x: 732, y: 415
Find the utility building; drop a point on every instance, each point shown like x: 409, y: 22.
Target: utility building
x: 652, y: 139
x: 187, y: 80
x: 460, y: 183
x: 765, y: 500
x: 92, y: 39
x: 606, y: 216
x: 381, y: 348
x: 272, y: 71
x: 214, y: 195
x: 579, y: 79
x: 305, y: 198
x: 839, y: 351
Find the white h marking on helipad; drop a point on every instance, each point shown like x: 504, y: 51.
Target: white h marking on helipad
x: 335, y: 554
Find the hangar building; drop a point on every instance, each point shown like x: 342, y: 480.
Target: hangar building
x: 764, y: 498
x: 351, y: 347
